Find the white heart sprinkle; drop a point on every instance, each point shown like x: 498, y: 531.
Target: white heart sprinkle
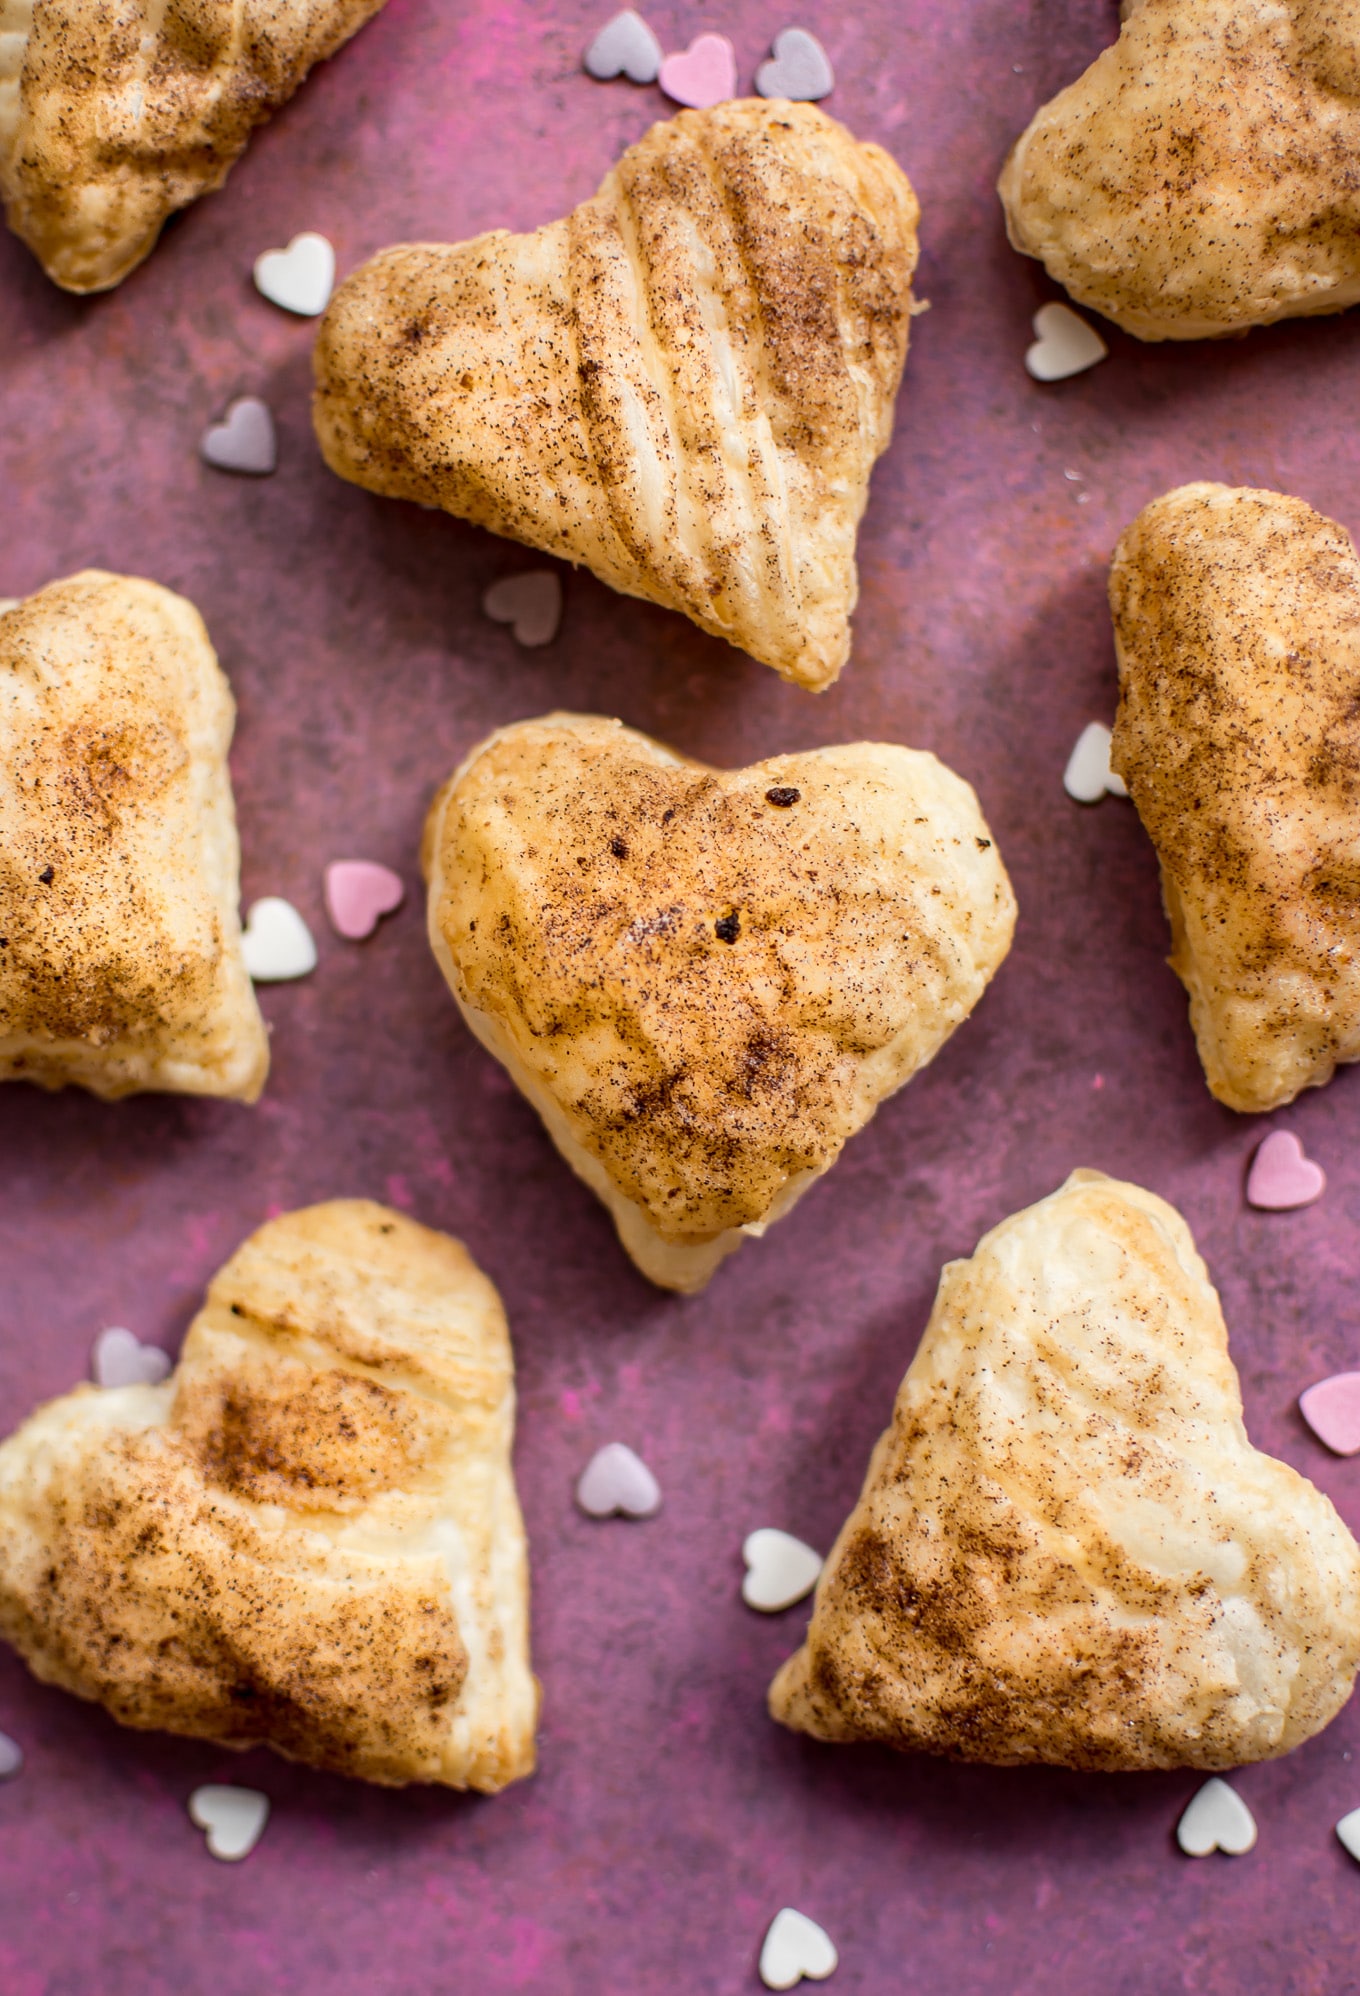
x: 795, y: 1947
x: 780, y: 1570
x: 615, y: 1481
x: 531, y: 603
x: 800, y: 69
x: 245, y: 441
x: 1088, y: 776
x: 627, y: 47
x: 234, y: 1819
x: 1064, y: 345
x: 11, y: 1758
x: 1217, y: 1819
x: 300, y: 278
x: 120, y: 1359
x: 1348, y: 1834
x: 276, y: 942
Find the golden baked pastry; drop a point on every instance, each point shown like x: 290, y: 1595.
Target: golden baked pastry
x: 307, y: 1537
x: 683, y: 384
x: 1237, y: 624
x: 1199, y: 178
x: 114, y: 115
x: 705, y: 981
x: 120, y: 942
x: 1066, y: 1549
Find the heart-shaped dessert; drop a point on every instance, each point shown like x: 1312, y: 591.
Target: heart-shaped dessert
x: 120, y: 1359
x: 1331, y: 1408
x: 1281, y: 1177
x: 1197, y: 179
x: 1066, y: 1550
x: 706, y: 981
x: 244, y: 441
x: 617, y: 1483
x: 121, y: 965
x: 308, y: 1536
x: 1237, y: 625
x: 702, y: 75
x: 1217, y: 1819
x: 299, y: 278
x: 683, y: 384
x: 358, y: 893
x: 530, y: 603
x: 1064, y: 344
x: 780, y: 1570
x: 234, y: 1819
x: 799, y: 69
x: 115, y: 116
x: 624, y: 46
x: 795, y: 1948
x: 276, y: 942
x: 1088, y: 776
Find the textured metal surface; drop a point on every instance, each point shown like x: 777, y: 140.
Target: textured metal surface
x: 670, y: 1819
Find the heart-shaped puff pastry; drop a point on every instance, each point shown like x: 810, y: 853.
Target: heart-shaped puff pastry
x: 1199, y: 178
x: 120, y: 964
x: 1066, y: 1549
x: 112, y: 116
x: 1237, y: 625
x: 308, y: 1536
x: 706, y: 981
x: 683, y: 384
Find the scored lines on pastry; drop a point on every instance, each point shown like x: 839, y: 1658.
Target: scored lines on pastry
x: 531, y: 603
x: 358, y: 893
x: 702, y: 75
x: 299, y: 278
x: 780, y: 1570
x: 767, y: 561
x: 1064, y: 344
x: 276, y: 942
x: 243, y: 441
x: 795, y: 1950
x: 233, y: 1818
x: 799, y: 69
x: 1217, y: 1819
x: 616, y: 1483
x: 1282, y: 1177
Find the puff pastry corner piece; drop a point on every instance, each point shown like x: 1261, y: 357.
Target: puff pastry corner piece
x: 121, y: 965
x: 683, y: 384
x: 1198, y: 179
x: 1237, y: 625
x: 114, y: 113
x: 308, y: 1536
x: 1066, y: 1549
x: 706, y: 981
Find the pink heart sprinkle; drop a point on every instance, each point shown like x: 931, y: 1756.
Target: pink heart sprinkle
x: 703, y: 74
x: 357, y: 893
x: 1282, y: 1177
x: 1332, y: 1411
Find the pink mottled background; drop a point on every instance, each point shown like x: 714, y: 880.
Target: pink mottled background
x: 670, y: 1819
